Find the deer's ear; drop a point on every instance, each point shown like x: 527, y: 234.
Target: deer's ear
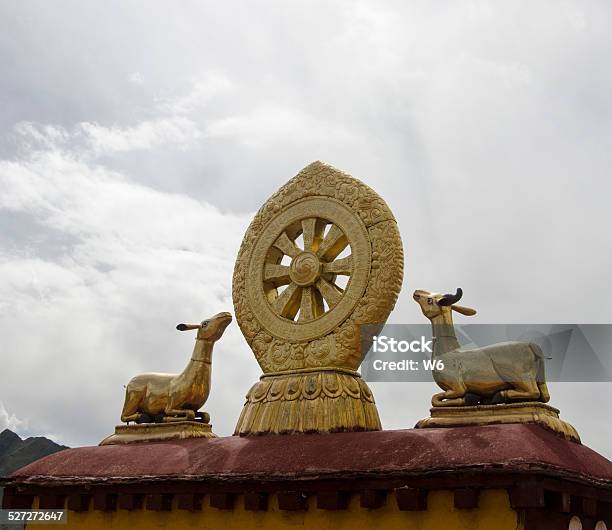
x: 467, y: 311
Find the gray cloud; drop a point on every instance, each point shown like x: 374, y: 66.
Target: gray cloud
x: 137, y: 141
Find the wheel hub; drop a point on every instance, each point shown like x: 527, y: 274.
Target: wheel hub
x: 305, y: 269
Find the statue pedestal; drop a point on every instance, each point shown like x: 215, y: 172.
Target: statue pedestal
x: 307, y: 401
x: 528, y: 412
x: 155, y: 432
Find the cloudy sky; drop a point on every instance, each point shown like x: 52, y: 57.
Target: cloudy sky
x: 137, y: 139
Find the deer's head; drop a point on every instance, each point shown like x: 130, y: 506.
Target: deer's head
x: 435, y: 304
x: 210, y: 329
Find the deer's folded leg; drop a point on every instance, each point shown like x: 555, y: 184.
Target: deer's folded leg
x: 523, y: 391
x: 179, y: 415
x: 130, y: 417
x: 449, y: 398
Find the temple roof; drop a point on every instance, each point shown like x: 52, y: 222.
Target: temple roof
x: 514, y: 448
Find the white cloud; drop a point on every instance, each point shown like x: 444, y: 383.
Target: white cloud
x: 32, y: 136
x: 81, y: 324
x: 10, y: 421
x: 200, y: 94
x: 170, y: 128
x: 269, y: 124
x: 137, y: 78
x: 146, y: 135
x: 90, y: 140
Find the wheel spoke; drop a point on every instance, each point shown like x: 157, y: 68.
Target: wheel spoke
x: 330, y: 292
x: 286, y: 246
x: 343, y: 266
x: 288, y: 302
x: 319, y: 307
x: 307, y: 305
x: 277, y: 274
x: 312, y: 230
x: 335, y: 242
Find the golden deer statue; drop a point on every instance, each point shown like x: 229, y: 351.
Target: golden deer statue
x: 508, y: 371
x: 176, y: 397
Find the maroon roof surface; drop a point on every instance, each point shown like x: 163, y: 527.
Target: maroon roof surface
x: 505, y: 448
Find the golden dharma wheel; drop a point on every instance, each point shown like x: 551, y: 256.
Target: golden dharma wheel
x: 308, y: 269
x: 321, y: 258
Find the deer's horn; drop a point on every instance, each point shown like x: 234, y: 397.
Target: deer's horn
x: 450, y: 299
x: 186, y: 327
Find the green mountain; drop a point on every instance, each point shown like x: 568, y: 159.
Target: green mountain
x: 16, y: 453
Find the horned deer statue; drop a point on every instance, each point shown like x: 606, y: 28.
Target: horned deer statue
x: 154, y: 397
x: 504, y: 372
